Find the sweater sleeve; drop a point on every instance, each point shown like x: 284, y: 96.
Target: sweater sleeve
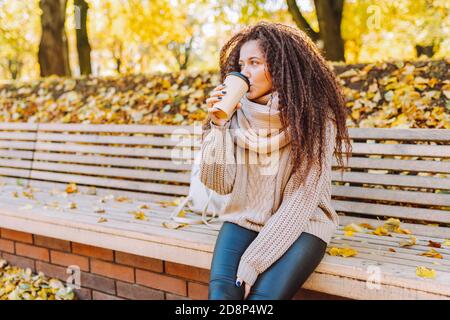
x: 218, y: 164
x: 289, y: 221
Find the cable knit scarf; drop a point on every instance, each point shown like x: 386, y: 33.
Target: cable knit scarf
x: 258, y: 127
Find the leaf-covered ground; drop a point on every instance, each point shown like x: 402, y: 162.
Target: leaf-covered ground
x: 21, y: 284
x: 401, y: 94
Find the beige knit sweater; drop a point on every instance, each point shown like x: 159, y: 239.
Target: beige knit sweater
x: 276, y: 206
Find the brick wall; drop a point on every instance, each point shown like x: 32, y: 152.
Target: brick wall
x: 109, y: 274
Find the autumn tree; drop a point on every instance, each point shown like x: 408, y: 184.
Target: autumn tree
x: 53, y: 49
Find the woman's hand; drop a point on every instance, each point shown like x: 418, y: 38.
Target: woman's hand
x: 246, y: 289
x: 214, y: 97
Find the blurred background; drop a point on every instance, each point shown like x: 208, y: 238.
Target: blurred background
x: 113, y: 37
x: 155, y: 62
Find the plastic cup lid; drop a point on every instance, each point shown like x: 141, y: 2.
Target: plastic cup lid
x: 240, y: 75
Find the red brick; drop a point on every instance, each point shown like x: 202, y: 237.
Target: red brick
x: 133, y: 260
x: 7, y: 245
x: 91, y: 251
x: 19, y: 261
x: 52, y: 243
x: 197, y: 291
x: 103, y: 296
x: 188, y: 272
x: 83, y: 294
x: 160, y: 281
x: 30, y: 251
x: 67, y: 259
x: 17, y: 235
x: 93, y: 281
x: 137, y: 292
x: 171, y: 296
x: 112, y: 270
x: 52, y: 271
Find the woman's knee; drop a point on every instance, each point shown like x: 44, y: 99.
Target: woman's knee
x: 224, y: 290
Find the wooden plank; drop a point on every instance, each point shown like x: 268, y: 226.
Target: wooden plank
x: 363, y: 290
x: 392, y: 274
x: 440, y: 216
x: 416, y: 197
x: 21, y: 173
x: 17, y: 144
x: 175, y: 153
x: 114, y: 161
x: 415, y: 134
x: 50, y: 185
x: 111, y: 183
x: 16, y: 154
x: 120, y: 128
x: 401, y: 149
x: 379, y: 253
x: 115, y: 139
x: 392, y: 179
x: 117, y: 215
x: 18, y: 126
x: 112, y: 172
x: 15, y: 163
x: 393, y: 239
x: 416, y: 229
x: 29, y: 136
x: 397, y: 164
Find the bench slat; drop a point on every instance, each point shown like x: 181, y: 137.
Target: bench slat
x: 18, y: 126
x: 392, y: 179
x: 126, y: 151
x: 434, y: 233
x: 119, y: 128
x: 16, y: 154
x: 143, y: 196
x: 17, y: 144
x: 393, y: 241
x: 416, y: 197
x: 401, y: 149
x: 126, y: 140
x: 21, y: 173
x: 114, y: 161
x: 112, y: 183
x: 112, y: 172
x: 15, y: 163
x: 440, y: 216
x: 31, y: 136
x: 415, y: 134
x: 397, y: 164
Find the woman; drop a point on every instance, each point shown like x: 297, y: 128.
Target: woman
x: 278, y: 220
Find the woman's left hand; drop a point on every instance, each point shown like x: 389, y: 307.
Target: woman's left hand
x: 246, y: 289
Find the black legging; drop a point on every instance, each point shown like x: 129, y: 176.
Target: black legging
x: 280, y: 281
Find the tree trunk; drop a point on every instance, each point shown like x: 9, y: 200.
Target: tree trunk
x: 329, y: 15
x: 83, y: 46
x: 53, y: 50
x: 300, y: 21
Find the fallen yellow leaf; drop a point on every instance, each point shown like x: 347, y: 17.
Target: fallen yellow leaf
x: 432, y: 254
x: 410, y: 242
x: 425, y: 272
x: 381, y: 231
x: 71, y: 188
x: 102, y: 220
x: 343, y: 252
x: 173, y: 225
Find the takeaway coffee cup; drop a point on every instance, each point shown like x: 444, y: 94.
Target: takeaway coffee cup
x: 237, y: 85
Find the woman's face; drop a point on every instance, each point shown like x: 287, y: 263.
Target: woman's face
x: 253, y: 66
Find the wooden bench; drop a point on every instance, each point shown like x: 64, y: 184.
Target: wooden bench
x: 398, y: 173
